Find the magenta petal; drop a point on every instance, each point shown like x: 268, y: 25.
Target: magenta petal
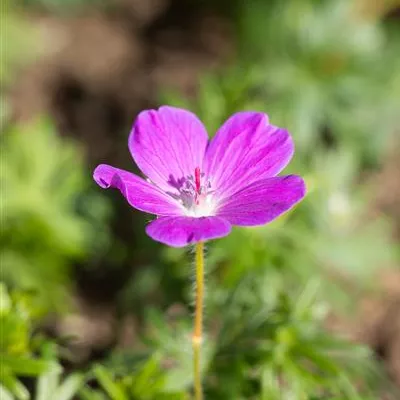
x: 181, y: 231
x: 167, y: 145
x: 246, y: 149
x: 263, y: 201
x: 140, y: 194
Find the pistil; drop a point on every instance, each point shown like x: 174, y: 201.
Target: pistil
x: 197, y: 177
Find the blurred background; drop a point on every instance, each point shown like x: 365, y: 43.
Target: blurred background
x: 307, y: 307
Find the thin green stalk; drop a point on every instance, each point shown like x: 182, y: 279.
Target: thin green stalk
x: 197, y: 337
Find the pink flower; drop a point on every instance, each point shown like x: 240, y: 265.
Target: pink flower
x: 199, y: 188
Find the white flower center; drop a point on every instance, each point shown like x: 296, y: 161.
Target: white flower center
x: 196, y: 197
x: 204, y: 208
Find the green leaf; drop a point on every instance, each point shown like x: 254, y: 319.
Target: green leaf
x: 106, y: 381
x: 68, y: 389
x: 5, y: 394
x: 12, y: 384
x: 47, y: 385
x: 5, y: 300
x: 26, y: 366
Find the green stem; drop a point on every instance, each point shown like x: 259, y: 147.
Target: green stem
x: 198, y: 321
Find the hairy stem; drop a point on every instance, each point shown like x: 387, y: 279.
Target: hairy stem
x: 198, y: 321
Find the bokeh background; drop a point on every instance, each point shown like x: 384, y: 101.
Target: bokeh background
x: 307, y: 307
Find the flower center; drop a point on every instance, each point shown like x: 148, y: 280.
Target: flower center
x: 195, y: 195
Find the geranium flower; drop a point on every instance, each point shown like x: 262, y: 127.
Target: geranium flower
x: 199, y: 188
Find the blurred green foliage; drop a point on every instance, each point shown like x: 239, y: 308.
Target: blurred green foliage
x: 146, y: 382
x: 18, y: 45
x: 18, y: 41
x: 50, y: 214
x: 26, y: 354
x: 328, y: 74
x: 343, y: 119
x: 282, y: 351
x: 323, y: 71
x: 260, y: 347
x: 18, y: 345
x: 51, y: 387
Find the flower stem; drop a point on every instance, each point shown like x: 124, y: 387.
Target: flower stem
x: 198, y: 321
